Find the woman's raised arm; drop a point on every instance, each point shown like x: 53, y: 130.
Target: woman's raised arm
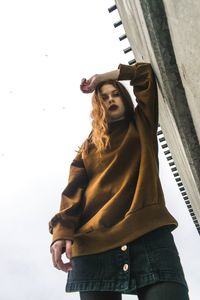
x: 143, y: 80
x: 89, y: 85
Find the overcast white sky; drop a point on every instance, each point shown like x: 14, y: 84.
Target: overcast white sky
x: 47, y: 46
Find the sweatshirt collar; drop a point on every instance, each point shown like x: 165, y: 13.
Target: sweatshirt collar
x: 121, y: 124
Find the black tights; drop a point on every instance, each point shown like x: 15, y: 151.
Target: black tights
x: 157, y: 291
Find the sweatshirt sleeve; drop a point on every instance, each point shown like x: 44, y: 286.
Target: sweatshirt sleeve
x: 64, y: 223
x: 143, y: 80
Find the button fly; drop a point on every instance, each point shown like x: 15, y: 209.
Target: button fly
x: 125, y: 267
x: 123, y: 248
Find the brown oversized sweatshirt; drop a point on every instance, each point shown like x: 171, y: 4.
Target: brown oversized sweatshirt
x: 108, y: 204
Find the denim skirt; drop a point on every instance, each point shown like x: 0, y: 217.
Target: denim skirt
x: 146, y: 260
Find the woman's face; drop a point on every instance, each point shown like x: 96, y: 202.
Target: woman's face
x: 112, y: 102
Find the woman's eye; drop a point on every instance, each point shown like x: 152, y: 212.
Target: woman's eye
x: 104, y: 97
x: 116, y: 95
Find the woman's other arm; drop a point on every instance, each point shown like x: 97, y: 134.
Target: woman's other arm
x: 64, y: 223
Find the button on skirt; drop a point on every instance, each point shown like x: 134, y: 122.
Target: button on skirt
x: 147, y: 260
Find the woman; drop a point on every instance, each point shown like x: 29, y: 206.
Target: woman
x: 113, y: 224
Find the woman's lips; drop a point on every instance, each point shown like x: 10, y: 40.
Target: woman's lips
x: 113, y: 107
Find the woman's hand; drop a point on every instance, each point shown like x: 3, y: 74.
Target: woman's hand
x: 88, y: 86
x: 57, y: 251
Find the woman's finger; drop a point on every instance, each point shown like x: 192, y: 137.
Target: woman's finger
x: 67, y: 267
x: 83, y: 79
x: 68, y: 247
x: 58, y: 260
x: 58, y: 263
x: 54, y: 258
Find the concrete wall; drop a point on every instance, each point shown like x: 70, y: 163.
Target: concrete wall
x: 184, y: 24
x: 158, y: 32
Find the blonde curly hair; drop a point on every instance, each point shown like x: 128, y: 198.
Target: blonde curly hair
x: 99, y: 135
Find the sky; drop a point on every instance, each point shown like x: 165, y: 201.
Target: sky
x: 46, y: 48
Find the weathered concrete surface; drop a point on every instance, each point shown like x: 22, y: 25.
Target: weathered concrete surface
x: 184, y: 25
x: 146, y: 25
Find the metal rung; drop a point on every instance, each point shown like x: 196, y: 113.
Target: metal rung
x: 175, y: 174
x: 177, y: 179
x: 166, y: 152
x: 128, y: 49
x: 169, y: 157
x: 196, y: 222
x: 122, y: 37
x: 184, y: 193
x: 131, y: 61
x: 162, y: 139
x: 110, y: 9
x: 118, y: 23
x: 182, y: 189
x: 164, y: 146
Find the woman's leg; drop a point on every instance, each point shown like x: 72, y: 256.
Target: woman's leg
x: 163, y: 291
x: 100, y: 295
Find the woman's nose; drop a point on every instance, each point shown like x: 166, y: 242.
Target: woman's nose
x: 110, y: 99
x: 110, y: 102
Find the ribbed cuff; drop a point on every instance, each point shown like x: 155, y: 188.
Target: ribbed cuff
x: 126, y: 72
x: 62, y: 233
